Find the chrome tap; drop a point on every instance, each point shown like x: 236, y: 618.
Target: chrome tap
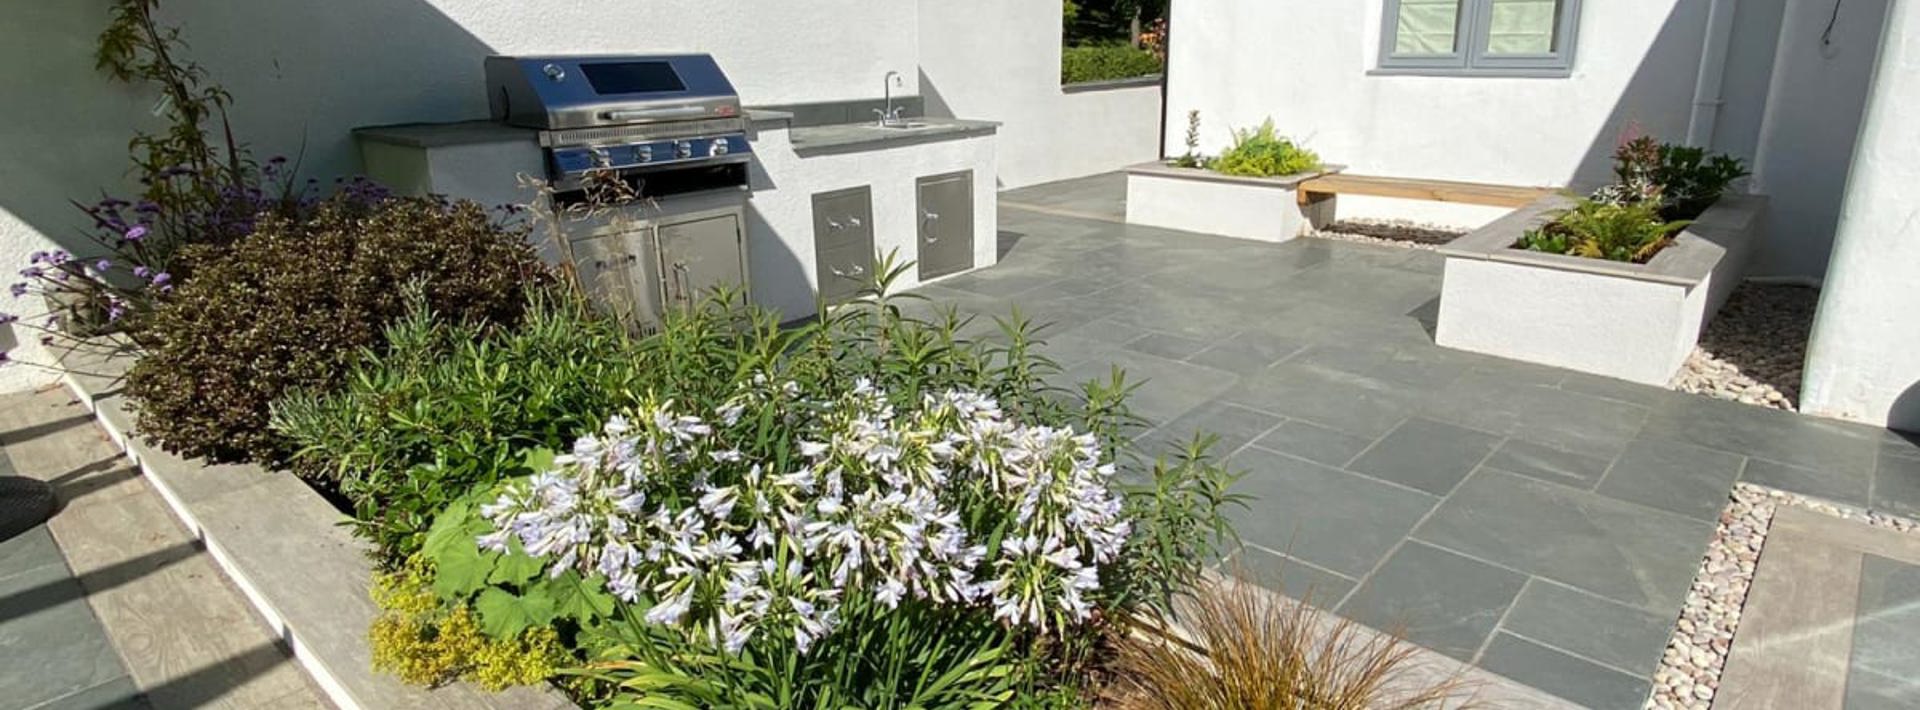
x: 890, y: 116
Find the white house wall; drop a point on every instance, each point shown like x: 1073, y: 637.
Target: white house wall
x: 1307, y: 64
x: 1811, y: 123
x: 1012, y: 75
x: 1864, y: 359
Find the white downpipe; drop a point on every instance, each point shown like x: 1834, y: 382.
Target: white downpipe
x: 1713, y: 73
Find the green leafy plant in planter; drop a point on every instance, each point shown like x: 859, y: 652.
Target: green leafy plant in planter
x: 286, y: 307
x: 1684, y: 181
x: 1263, y: 152
x: 1631, y: 231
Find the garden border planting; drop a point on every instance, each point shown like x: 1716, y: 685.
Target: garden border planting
x: 1636, y: 322
x: 1199, y: 200
x: 283, y: 546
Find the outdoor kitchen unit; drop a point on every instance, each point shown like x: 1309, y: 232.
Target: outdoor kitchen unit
x: 786, y: 204
x: 666, y: 136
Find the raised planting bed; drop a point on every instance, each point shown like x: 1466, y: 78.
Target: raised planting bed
x: 285, y: 548
x: 1631, y: 321
x: 1266, y: 209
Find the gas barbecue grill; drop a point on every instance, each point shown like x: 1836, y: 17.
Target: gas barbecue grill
x: 666, y: 124
x: 671, y: 127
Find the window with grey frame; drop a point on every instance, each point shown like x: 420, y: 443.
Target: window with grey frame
x: 1479, y: 37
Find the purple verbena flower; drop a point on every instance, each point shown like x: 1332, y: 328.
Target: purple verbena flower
x: 142, y: 272
x: 6, y: 318
x: 32, y: 272
x: 18, y: 290
x: 103, y: 264
x: 162, y: 278
x: 137, y: 233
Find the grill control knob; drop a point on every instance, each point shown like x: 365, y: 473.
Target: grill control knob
x: 719, y: 147
x: 600, y: 158
x: 683, y: 148
x: 554, y: 72
x: 643, y: 153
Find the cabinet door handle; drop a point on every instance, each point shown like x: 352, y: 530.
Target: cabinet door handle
x: 928, y: 218
x: 680, y: 279
x: 851, y: 272
x: 853, y: 221
x: 831, y: 224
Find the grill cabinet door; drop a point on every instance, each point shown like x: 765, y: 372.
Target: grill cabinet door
x: 843, y: 243
x: 946, y: 224
x: 698, y: 255
x: 613, y: 274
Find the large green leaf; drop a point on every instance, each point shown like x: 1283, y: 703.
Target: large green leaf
x: 504, y: 615
x: 461, y: 571
x: 516, y: 567
x: 575, y: 598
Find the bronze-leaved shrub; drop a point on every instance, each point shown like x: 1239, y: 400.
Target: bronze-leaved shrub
x: 288, y: 306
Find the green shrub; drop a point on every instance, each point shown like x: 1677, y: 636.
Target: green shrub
x: 287, y: 306
x: 760, y: 393
x: 1262, y: 152
x: 443, y: 408
x: 1600, y: 230
x: 1683, y: 180
x: 1106, y: 63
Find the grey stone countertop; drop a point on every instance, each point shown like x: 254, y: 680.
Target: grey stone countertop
x: 867, y: 136
x: 484, y: 130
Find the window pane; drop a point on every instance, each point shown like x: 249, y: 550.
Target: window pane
x: 1427, y: 27
x: 1524, y: 27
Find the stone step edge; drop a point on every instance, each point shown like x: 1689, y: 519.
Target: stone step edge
x: 318, y: 667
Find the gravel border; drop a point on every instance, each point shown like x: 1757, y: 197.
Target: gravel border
x: 1406, y: 234
x: 1689, y: 672
x: 1754, y: 349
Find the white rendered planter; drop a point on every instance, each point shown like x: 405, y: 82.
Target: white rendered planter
x: 1634, y: 322
x: 1195, y: 200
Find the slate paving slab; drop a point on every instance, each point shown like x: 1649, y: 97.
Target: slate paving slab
x: 1314, y: 443
x: 1427, y: 455
x: 1564, y: 675
x: 1335, y: 519
x: 1549, y: 464
x: 1840, y: 485
x: 1590, y: 627
x: 1441, y: 600
x: 1896, y: 484
x: 53, y: 651
x: 1882, y: 671
x: 1629, y: 553
x: 1675, y: 477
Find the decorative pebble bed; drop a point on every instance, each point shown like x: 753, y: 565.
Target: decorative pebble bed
x: 1753, y: 351
x: 1689, y: 673
x: 1389, y: 232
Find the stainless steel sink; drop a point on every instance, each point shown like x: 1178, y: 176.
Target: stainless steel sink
x: 904, y: 126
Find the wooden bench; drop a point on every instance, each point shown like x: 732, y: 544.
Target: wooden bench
x: 1317, y: 195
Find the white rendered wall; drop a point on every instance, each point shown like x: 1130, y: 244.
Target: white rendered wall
x: 780, y: 250
x: 1864, y: 360
x: 1242, y: 210
x: 63, y: 135
x: 1812, y: 120
x: 1633, y: 330
x: 1308, y: 65
x: 1011, y: 74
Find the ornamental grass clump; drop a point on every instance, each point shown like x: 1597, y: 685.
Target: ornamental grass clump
x: 286, y: 307
x: 1239, y: 647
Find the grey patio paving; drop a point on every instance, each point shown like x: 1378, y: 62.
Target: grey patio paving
x: 1541, y: 523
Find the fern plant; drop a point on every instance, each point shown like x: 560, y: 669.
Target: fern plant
x: 1263, y: 152
x: 1594, y: 229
